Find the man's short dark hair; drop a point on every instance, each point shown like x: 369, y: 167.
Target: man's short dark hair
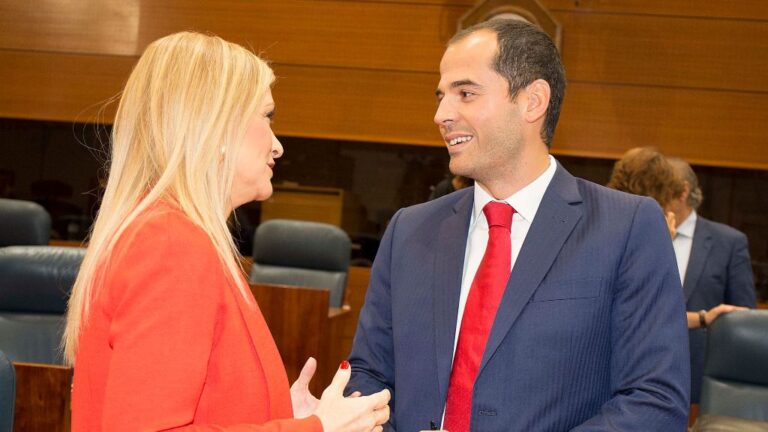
x: 526, y: 53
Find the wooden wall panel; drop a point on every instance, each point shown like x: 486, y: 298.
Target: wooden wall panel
x: 300, y: 32
x: 707, y: 127
x: 629, y: 49
x: 358, y: 105
x: 326, y: 33
x: 738, y: 9
x: 675, y: 73
x: 312, y: 101
x: 467, y: 3
x: 82, y: 26
x: 704, y: 127
x: 63, y: 87
x: 666, y: 51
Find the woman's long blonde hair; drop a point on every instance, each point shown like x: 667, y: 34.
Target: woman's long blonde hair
x: 182, y: 115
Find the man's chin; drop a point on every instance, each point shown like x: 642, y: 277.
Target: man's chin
x: 457, y: 168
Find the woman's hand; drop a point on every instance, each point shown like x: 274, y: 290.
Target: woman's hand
x: 352, y: 414
x: 304, y: 403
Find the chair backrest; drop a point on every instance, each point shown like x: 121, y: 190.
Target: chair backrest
x: 23, y: 223
x: 7, y: 393
x: 34, y: 287
x: 305, y: 254
x: 736, y: 369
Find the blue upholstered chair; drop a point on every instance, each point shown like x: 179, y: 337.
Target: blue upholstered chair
x: 35, y: 282
x: 7, y: 393
x: 305, y: 254
x: 23, y: 223
x: 735, y: 383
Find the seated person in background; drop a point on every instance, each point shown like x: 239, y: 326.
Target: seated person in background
x: 450, y: 184
x: 714, y: 268
x: 162, y: 327
x: 714, y: 265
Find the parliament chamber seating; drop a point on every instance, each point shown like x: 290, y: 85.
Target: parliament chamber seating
x: 23, y: 223
x: 735, y: 385
x: 34, y: 287
x: 305, y: 254
x: 299, y: 277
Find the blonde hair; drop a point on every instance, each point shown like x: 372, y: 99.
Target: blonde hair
x: 182, y: 115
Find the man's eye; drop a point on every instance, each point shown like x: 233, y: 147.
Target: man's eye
x: 465, y: 93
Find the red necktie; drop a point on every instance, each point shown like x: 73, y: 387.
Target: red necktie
x: 483, y: 301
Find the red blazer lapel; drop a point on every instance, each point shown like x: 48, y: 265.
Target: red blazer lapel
x: 266, y: 350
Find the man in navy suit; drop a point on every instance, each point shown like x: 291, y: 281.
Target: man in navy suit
x: 714, y: 264
x: 588, y: 332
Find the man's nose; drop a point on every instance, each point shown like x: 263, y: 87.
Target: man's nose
x: 445, y: 113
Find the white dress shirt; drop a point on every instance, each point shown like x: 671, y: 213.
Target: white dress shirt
x: 683, y: 243
x: 525, y: 202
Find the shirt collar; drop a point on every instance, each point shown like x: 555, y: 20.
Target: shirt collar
x: 525, y: 201
x: 688, y: 226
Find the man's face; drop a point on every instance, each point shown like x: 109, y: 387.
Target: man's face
x: 479, y: 122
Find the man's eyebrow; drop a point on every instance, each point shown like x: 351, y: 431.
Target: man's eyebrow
x: 464, y: 82
x: 459, y: 83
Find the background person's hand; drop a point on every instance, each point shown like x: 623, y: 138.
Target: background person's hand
x: 711, y: 315
x: 352, y: 414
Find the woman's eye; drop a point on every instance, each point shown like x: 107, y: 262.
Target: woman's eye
x: 271, y: 116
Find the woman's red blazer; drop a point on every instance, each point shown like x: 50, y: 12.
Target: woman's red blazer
x: 171, y: 344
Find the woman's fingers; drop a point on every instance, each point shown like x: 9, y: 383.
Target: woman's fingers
x: 382, y: 415
x: 306, y: 374
x: 340, y: 380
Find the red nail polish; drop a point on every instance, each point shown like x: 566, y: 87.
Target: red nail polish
x: 344, y: 365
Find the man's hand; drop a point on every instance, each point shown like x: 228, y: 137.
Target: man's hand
x: 718, y: 310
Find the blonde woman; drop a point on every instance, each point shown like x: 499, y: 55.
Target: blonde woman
x: 162, y: 329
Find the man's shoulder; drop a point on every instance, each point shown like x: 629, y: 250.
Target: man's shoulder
x: 720, y: 230
x: 451, y: 202
x: 602, y: 198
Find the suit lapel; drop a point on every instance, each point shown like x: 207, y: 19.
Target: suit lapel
x: 275, y: 375
x: 702, y: 243
x: 449, y: 267
x: 553, y: 223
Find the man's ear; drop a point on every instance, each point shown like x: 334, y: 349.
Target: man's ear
x: 537, y: 101
x: 686, y: 191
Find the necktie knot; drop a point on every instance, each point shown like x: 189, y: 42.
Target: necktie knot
x: 498, y: 214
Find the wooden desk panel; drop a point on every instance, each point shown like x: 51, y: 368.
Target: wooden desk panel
x: 43, y: 397
x: 303, y: 326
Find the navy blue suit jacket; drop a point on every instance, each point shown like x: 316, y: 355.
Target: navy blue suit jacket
x: 719, y: 271
x: 590, y: 334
